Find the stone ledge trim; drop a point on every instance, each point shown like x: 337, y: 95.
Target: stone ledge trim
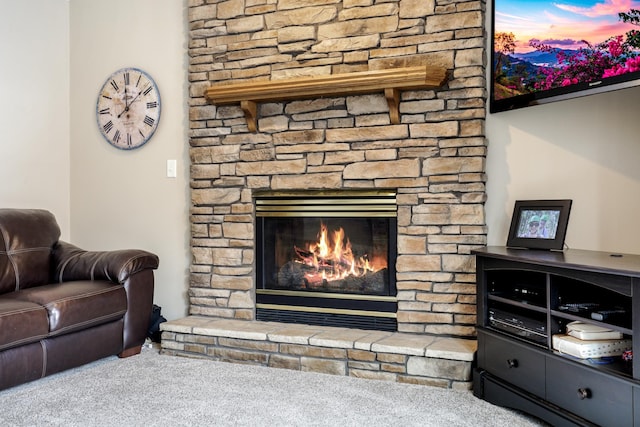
x: 330, y: 337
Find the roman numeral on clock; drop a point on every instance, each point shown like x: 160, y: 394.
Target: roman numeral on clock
x: 108, y: 126
x: 153, y: 104
x: 147, y: 90
x: 115, y: 85
x: 104, y: 111
x: 148, y: 121
x: 116, y: 137
x: 126, y: 79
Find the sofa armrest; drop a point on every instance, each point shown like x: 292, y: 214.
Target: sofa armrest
x: 72, y: 263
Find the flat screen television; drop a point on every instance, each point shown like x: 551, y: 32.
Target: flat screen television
x: 546, y: 50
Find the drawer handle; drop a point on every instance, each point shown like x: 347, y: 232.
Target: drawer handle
x: 512, y: 363
x: 584, y: 393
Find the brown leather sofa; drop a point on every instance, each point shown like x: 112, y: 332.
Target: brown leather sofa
x: 61, y: 306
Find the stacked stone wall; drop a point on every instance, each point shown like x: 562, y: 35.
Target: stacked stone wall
x: 434, y: 159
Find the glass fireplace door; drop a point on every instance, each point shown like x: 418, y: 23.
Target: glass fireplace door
x: 327, y: 258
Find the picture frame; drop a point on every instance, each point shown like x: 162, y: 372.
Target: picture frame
x: 539, y: 224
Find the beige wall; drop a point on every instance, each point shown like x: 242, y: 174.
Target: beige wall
x: 585, y: 149
x: 56, y: 54
x: 124, y: 198
x: 34, y: 112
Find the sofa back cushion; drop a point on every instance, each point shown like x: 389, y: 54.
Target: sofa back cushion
x: 27, y: 238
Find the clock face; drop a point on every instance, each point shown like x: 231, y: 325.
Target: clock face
x: 128, y: 108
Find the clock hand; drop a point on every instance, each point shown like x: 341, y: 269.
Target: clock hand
x: 126, y: 108
x: 123, y: 111
x: 134, y: 99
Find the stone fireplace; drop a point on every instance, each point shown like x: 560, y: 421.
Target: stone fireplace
x: 424, y: 145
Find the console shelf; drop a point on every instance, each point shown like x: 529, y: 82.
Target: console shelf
x: 525, y: 297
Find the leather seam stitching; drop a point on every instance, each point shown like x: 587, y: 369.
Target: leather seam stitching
x: 44, y: 358
x: 21, y: 341
x: 113, y: 316
x: 64, y: 266
x: 130, y: 260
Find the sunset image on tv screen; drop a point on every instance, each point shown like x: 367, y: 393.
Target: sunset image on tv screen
x: 542, y: 45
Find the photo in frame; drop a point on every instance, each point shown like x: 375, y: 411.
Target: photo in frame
x: 539, y: 224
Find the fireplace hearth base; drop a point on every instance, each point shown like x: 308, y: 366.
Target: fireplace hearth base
x: 396, y: 357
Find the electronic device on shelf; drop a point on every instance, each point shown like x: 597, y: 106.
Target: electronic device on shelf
x: 579, y: 307
x: 528, y: 295
x: 521, y: 293
x: 589, y: 349
x: 595, y: 311
x: 589, y: 332
x: 612, y: 314
x: 519, y: 325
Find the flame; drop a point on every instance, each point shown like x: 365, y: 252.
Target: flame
x: 332, y: 258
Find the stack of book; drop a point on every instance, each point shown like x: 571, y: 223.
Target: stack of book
x: 586, y: 341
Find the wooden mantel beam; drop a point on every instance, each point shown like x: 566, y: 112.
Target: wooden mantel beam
x: 389, y: 81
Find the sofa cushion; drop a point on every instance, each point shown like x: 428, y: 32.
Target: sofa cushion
x: 27, y: 238
x: 78, y: 305
x: 21, y: 322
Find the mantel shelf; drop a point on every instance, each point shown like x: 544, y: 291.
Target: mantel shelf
x: 390, y: 81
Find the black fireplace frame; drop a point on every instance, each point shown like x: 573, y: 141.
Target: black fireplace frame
x: 374, y: 312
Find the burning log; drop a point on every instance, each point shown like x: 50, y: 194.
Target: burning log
x: 330, y: 264
x: 372, y: 282
x: 294, y: 275
x: 322, y: 262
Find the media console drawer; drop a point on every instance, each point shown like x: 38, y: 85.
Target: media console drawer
x: 590, y: 394
x: 515, y: 363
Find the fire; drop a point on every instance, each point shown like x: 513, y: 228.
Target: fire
x: 332, y: 258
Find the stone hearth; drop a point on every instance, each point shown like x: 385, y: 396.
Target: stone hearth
x: 407, y: 358
x: 434, y: 159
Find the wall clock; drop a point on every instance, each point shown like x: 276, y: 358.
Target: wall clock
x: 128, y: 108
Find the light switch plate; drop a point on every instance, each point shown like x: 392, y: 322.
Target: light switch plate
x: 172, y: 166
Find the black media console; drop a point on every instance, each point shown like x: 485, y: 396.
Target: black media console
x: 525, y: 298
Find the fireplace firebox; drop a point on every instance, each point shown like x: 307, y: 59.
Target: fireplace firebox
x: 327, y: 258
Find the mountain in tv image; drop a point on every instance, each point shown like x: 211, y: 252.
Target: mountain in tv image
x: 542, y: 59
x: 524, y: 64
x: 519, y: 72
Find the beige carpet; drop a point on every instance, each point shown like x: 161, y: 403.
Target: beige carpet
x: 157, y: 390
